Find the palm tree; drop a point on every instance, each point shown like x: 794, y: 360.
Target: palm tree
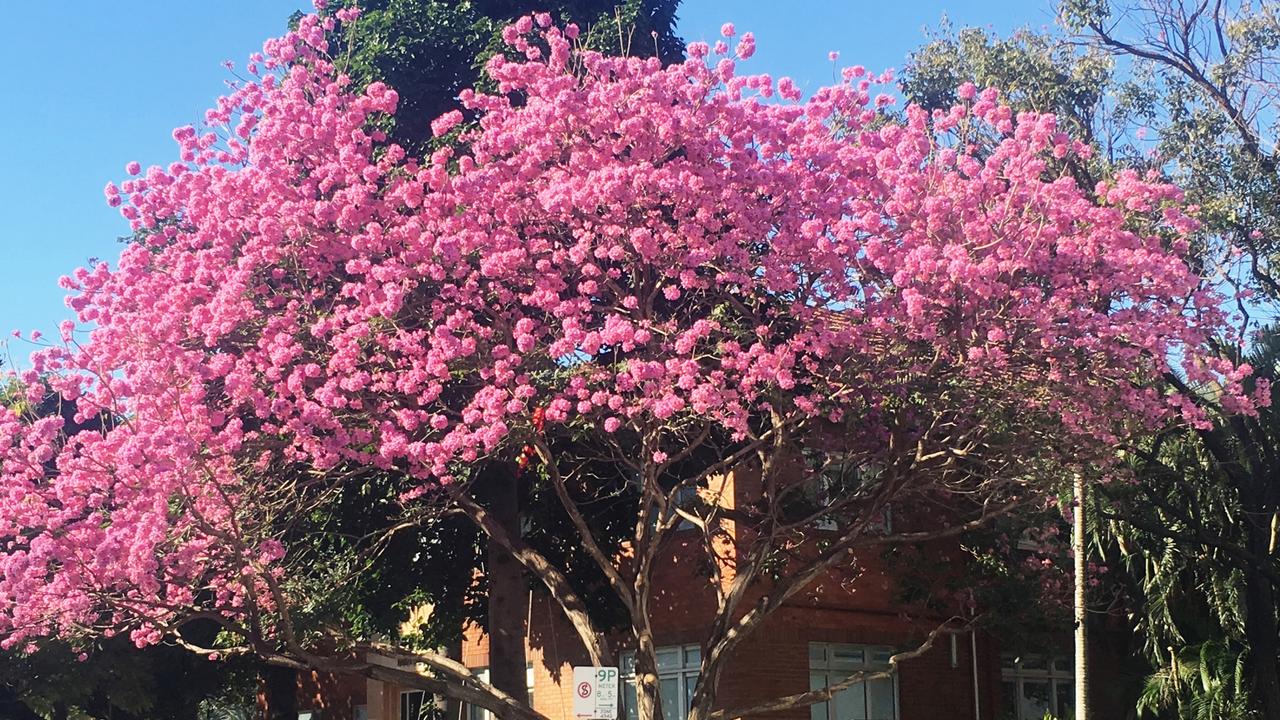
x: 1196, y: 538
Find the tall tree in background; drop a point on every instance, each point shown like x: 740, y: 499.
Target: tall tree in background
x: 1187, y: 89
x: 432, y: 50
x: 1214, y: 111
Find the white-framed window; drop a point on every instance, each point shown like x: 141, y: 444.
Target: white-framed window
x: 474, y: 712
x: 678, y: 667
x: 1033, y: 686
x: 413, y: 705
x: 876, y: 699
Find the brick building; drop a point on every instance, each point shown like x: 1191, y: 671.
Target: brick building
x: 849, y: 620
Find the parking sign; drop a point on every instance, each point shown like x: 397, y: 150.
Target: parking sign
x: 595, y: 693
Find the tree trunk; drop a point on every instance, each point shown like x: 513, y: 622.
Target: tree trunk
x: 280, y: 685
x: 648, y: 686
x: 704, y: 698
x: 508, y: 591
x: 1078, y: 548
x: 1260, y: 629
x: 704, y: 694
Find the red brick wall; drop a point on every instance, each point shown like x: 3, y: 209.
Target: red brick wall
x: 774, y: 661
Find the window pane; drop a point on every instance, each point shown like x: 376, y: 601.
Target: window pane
x: 846, y: 655
x: 880, y: 699
x: 692, y: 656
x: 668, y: 659
x: 1008, y: 700
x: 1066, y: 695
x: 1008, y: 661
x: 671, y: 699
x: 817, y: 681
x: 411, y: 705
x: 629, y: 699
x: 851, y: 703
x: 690, y: 682
x: 817, y: 655
x: 880, y: 656
x: 1034, y: 702
x: 628, y: 668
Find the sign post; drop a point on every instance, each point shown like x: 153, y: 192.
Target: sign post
x: 595, y: 693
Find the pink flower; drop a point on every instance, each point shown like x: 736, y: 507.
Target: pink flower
x: 446, y: 122
x: 315, y: 299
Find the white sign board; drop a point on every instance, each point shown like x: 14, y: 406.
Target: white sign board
x: 595, y: 693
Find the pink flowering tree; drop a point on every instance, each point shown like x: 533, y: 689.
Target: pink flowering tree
x: 632, y: 281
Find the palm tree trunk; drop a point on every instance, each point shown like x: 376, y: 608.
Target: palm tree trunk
x: 1078, y: 548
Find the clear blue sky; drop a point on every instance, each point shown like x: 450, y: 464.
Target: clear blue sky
x: 94, y: 85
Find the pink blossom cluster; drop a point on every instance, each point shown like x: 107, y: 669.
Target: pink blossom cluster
x: 626, y: 248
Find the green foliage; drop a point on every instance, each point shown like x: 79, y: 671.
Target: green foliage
x: 358, y: 561
x: 1206, y: 681
x: 430, y: 50
x: 1183, y: 535
x: 1016, y: 571
x: 1208, y: 70
x: 1033, y: 71
x: 1188, y: 90
x: 1185, y: 594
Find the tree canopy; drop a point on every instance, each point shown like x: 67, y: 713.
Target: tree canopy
x: 643, y: 276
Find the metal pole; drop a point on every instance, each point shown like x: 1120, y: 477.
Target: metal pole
x: 973, y: 656
x: 1078, y: 548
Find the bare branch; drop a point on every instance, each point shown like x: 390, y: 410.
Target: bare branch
x: 812, y: 697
